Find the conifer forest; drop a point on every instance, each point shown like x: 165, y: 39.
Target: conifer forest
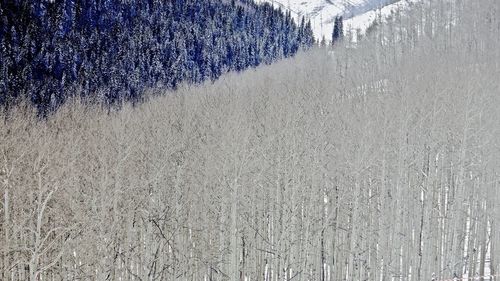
x: 205, y: 140
x: 112, y: 50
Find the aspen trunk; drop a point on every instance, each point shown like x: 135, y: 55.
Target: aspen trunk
x: 6, y: 224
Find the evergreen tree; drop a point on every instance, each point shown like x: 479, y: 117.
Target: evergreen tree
x: 120, y: 47
x: 338, y: 29
x: 323, y: 42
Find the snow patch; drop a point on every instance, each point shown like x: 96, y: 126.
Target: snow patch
x: 359, y: 15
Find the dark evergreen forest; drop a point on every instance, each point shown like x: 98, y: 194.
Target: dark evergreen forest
x: 112, y: 50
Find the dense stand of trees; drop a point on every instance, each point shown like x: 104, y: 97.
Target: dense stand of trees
x: 379, y: 162
x: 114, y: 49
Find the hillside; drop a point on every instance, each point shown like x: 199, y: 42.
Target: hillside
x: 380, y: 162
x: 322, y: 13
x: 111, y: 51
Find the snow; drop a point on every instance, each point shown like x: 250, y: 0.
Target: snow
x: 358, y: 14
x: 360, y: 23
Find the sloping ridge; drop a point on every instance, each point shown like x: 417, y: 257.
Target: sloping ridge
x: 322, y: 13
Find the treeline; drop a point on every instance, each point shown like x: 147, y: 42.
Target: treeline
x: 114, y: 49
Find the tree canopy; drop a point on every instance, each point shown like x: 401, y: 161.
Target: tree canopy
x: 112, y: 50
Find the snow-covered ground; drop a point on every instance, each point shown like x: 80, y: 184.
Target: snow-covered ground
x: 358, y: 14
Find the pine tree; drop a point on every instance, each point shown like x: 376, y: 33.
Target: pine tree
x: 338, y: 30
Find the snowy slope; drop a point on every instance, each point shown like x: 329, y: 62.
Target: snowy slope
x: 361, y: 22
x: 322, y: 13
